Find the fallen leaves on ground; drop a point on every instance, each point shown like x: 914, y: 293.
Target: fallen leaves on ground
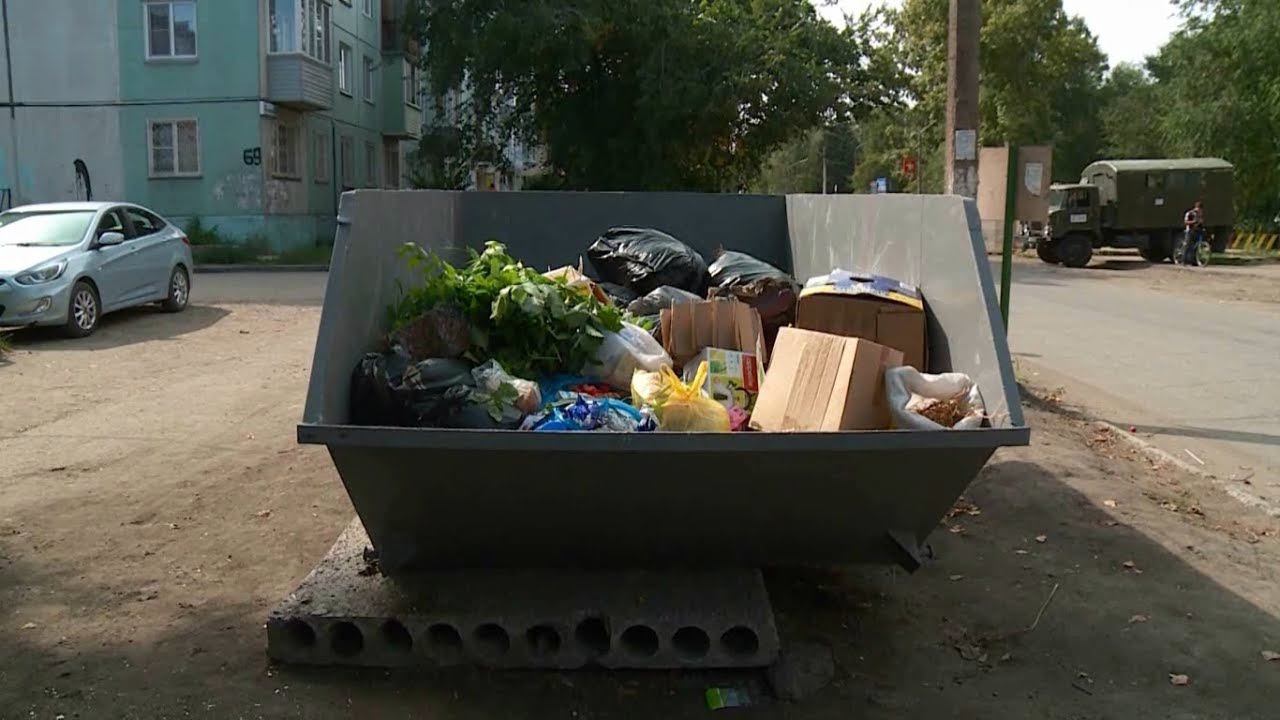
x: 953, y: 578
x: 1139, y: 618
x: 1109, y: 503
x: 1131, y: 567
x: 1270, y: 655
x: 963, y: 507
x: 1179, y: 679
x: 1042, y: 538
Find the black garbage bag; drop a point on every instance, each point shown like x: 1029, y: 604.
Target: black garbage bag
x: 375, y: 390
x: 660, y: 299
x: 388, y: 389
x: 755, y: 282
x: 644, y: 259
x: 621, y: 296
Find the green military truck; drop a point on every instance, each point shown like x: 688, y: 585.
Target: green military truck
x: 1136, y: 204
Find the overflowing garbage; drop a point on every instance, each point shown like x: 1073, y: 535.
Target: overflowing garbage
x: 655, y: 340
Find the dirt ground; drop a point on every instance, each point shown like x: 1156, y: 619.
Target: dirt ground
x: 1242, y: 283
x: 154, y: 506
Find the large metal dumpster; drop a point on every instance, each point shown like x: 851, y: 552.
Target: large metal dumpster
x: 464, y: 498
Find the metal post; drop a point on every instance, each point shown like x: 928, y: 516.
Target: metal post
x: 824, y: 161
x: 1010, y: 208
x: 964, y: 26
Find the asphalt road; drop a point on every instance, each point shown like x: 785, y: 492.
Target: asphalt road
x: 1198, y: 375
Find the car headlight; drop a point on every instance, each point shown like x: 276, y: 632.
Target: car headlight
x: 44, y: 274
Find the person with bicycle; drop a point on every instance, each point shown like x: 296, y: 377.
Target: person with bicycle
x: 1192, y: 236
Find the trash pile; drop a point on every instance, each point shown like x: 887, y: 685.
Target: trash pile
x: 658, y: 340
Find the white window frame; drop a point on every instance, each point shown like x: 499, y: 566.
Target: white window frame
x: 173, y: 55
x: 412, y: 85
x: 277, y: 167
x: 347, y: 161
x: 346, y: 73
x: 304, y: 40
x: 366, y: 8
x: 320, y: 157
x: 370, y: 165
x: 151, y: 155
x: 370, y: 67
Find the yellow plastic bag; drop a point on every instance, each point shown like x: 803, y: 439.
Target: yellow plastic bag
x: 681, y: 407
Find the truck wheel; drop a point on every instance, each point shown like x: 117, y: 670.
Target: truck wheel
x: 1047, y: 251
x: 1075, y: 250
x: 1221, y: 236
x: 1156, y: 251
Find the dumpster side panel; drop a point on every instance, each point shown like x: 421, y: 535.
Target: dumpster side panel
x: 449, y: 509
x: 931, y: 241
x: 548, y: 229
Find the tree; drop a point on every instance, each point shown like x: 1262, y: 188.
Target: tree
x: 797, y: 166
x: 1130, y: 117
x: 1218, y: 94
x: 643, y: 94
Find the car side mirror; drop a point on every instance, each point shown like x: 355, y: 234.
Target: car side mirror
x: 110, y: 238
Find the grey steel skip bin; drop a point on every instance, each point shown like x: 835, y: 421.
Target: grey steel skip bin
x: 463, y: 498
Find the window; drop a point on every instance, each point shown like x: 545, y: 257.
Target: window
x: 391, y: 165
x: 345, y: 71
x: 370, y: 73
x: 171, y: 30
x: 366, y: 7
x: 1155, y: 181
x: 144, y: 223
x: 370, y: 165
x: 110, y: 222
x: 174, y: 148
x: 286, y: 151
x: 412, y: 84
x: 320, y: 147
x: 347, y: 158
x: 300, y: 26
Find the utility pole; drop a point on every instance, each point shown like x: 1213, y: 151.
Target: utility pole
x: 964, y: 25
x: 824, y: 161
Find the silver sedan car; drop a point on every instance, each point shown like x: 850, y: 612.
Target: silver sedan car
x: 67, y: 264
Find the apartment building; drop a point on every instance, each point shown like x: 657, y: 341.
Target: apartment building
x: 253, y: 115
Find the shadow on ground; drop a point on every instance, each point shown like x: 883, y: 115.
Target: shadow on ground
x: 123, y: 327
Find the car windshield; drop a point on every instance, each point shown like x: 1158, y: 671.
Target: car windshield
x: 1057, y: 198
x: 44, y: 228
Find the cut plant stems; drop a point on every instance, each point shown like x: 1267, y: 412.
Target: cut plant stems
x: 530, y: 324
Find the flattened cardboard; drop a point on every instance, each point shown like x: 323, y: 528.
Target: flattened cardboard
x: 819, y: 382
x: 689, y: 328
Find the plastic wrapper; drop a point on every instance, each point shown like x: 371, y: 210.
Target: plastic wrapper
x: 441, y: 332
x: 624, y: 352
x: 951, y: 395
x: 663, y: 297
x: 644, y: 260
x: 505, y: 391
x: 681, y: 407
x: 592, y: 415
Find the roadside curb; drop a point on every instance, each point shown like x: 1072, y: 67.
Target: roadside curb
x: 1152, y: 452
x: 215, y: 269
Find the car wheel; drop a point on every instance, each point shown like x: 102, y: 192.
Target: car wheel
x: 179, y: 291
x: 83, y: 311
x: 1047, y: 251
x: 1075, y: 250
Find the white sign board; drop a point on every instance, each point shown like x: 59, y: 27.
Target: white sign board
x: 1081, y: 218
x: 966, y: 144
x: 1033, y: 178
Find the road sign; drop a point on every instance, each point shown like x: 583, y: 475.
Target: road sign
x: 909, y: 166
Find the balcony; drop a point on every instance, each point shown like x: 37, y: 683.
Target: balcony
x: 299, y: 81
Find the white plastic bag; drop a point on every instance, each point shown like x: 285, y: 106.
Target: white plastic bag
x: 909, y: 390
x: 624, y: 352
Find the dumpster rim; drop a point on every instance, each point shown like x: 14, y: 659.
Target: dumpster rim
x: 363, y: 436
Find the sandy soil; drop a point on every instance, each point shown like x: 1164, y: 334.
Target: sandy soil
x: 1246, y: 283
x: 154, y: 506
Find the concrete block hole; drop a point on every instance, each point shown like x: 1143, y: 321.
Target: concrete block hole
x: 592, y: 635
x: 491, y: 640
x: 691, y: 643
x: 444, y: 642
x: 396, y: 637
x: 639, y: 641
x: 345, y: 639
x: 740, y: 641
x: 544, y: 641
x: 299, y: 635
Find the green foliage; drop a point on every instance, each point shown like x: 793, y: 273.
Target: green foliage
x: 1130, y: 118
x: 530, y: 324
x: 198, y: 234
x: 796, y: 167
x: 659, y: 94
x: 6, y: 347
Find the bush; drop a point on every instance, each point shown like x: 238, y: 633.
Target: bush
x: 198, y: 234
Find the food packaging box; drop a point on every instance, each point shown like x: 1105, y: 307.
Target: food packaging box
x: 733, y: 378
x: 872, y: 307
x: 819, y: 382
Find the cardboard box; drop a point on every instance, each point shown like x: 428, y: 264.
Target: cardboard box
x: 820, y: 382
x: 878, y: 309
x: 733, y: 378
x: 689, y: 328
